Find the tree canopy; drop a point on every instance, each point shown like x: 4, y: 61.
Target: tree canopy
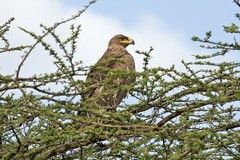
x: 190, y: 114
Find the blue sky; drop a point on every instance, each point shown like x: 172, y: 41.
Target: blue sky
x: 166, y: 25
x: 190, y: 16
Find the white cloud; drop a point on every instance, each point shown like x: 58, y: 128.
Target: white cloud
x: 29, y: 15
x: 97, y: 29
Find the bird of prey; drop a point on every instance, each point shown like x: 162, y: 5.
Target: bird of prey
x: 104, y: 85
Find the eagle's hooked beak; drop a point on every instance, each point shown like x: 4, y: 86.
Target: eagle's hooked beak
x: 128, y: 41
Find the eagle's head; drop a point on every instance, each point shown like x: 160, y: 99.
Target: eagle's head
x: 121, y: 40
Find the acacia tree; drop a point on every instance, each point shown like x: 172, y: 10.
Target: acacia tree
x: 191, y: 114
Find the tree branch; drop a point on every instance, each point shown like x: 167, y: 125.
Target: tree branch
x: 237, y: 2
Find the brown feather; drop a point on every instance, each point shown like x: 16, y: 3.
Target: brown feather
x: 115, y: 59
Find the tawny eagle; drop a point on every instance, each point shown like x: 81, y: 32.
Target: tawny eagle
x: 112, y: 71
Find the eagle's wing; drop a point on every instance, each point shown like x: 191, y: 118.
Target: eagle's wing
x: 114, y: 59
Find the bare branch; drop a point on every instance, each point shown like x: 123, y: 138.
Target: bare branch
x: 237, y: 2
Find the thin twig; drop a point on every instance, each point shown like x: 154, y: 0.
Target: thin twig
x: 50, y: 29
x: 237, y: 2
